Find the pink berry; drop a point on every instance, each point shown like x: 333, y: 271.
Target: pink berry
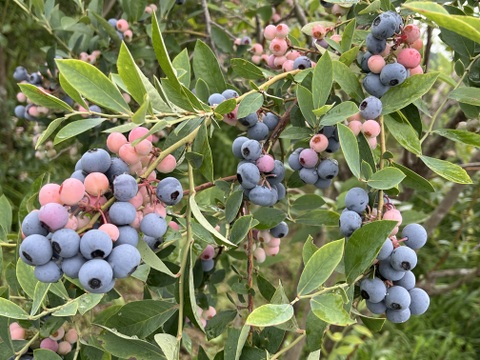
x: 208, y: 253
x: 122, y: 25
x: 387, y: 50
x: 393, y: 214
x: 259, y: 255
x: 256, y: 59
x: 257, y: 49
x: 54, y: 216
x: 16, y: 331
x: 270, y: 32
x: 21, y: 97
x: 274, y: 242
x: 264, y: 236
x: 319, y: 143
x: 278, y: 46
x: 355, y: 126
x: 308, y: 158
x: 409, y: 58
x: 50, y: 344
x: 271, y: 61
x: 71, y: 191
x: 71, y: 336
x: 287, y: 65
x: 167, y: 165
x: 127, y: 97
x: 272, y: 251
x: 209, y: 313
x: 57, y: 334
x: 318, y: 31
x: 115, y: 140
x: 173, y: 225
x: 292, y: 55
x: 128, y: 35
x: 231, y: 117
x: 64, y: 347
x: 111, y: 230
x: 96, y: 184
x: 417, y: 44
x: 143, y: 147
x: 372, y: 142
x: 128, y: 154
x: 282, y: 31
x: 356, y: 116
x: 139, y: 132
x: 279, y: 61
x: 336, y: 37
x: 371, y: 128
x: 376, y: 63
x: 411, y: 33
x: 265, y: 163
x: 49, y: 193
x: 416, y: 70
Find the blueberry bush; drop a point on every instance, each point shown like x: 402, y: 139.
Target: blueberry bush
x: 240, y: 180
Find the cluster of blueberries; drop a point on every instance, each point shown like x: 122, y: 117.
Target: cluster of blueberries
x: 381, y: 76
x: 29, y: 111
x: 268, y: 241
x: 259, y: 174
x: 122, y: 27
x: 62, y: 238
x: 312, y: 168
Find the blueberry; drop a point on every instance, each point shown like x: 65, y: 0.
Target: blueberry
x: 294, y: 159
x: 113, y: 22
x: 248, y: 175
x: 356, y: 200
x: 95, y: 108
x: 263, y: 196
x: 152, y: 242
x: 308, y: 175
x: 408, y: 281
x: 229, y: 94
x: 397, y: 298
x: 403, y: 258
x: 96, y: 276
x: 35, y: 79
x: 215, y: 99
x: 48, y: 273
x: 153, y: 225
x: 398, y: 316
x: 35, y: 249
x: 20, y: 111
x: 65, y: 242
x: 117, y: 167
x: 376, y: 308
x: 302, y: 62
x: 384, y: 25
x: 373, y: 290
x: 349, y: 222
x: 258, y: 132
x: 208, y: 265
x: 237, y: 146
x: 251, y: 150
x: 280, y: 230
x: 363, y: 61
x: 416, y: 236
x: 393, y: 74
x: 32, y: 225
x: 375, y: 46
x: 370, y: 108
x: 373, y: 85
x: 71, y: 266
x: 420, y: 301
x: 20, y: 74
x: 329, y: 132
x: 327, y: 169
x: 124, y: 260
x: 95, y: 244
x: 249, y: 120
x: 388, y: 272
x: 122, y: 213
x: 96, y: 160
x: 127, y: 235
x: 79, y: 175
x: 125, y: 187
x: 277, y: 175
x: 333, y: 145
x: 271, y: 120
x: 170, y: 191
x: 386, y: 250
x: 323, y: 183
x: 281, y: 191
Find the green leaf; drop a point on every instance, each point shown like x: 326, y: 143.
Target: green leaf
x: 233, y: 204
x: 268, y: 217
x: 348, y: 81
x: 280, y: 297
x: 134, y: 9
x: 364, y: 245
x: 218, y: 324
x: 12, y: 310
x: 204, y: 222
x: 447, y: 170
x: 41, y: 290
x: 226, y: 107
x: 347, y: 36
x: 162, y: 54
x: 206, y: 67
x: 270, y: 315
x: 75, y: 128
x: 88, y: 301
x: 349, y: 145
x: 322, y: 110
x: 246, y: 69
x: 410, y: 90
x: 438, y: 14
x: 126, y: 347
x: 318, y: 217
x: 181, y: 62
x: 42, y: 98
x: 329, y: 308
x: 305, y: 102
x: 413, y: 180
x: 5, y: 214
x: 141, y: 318
x: 169, y: 344
x: 26, y: 278
x: 139, y: 116
x: 308, y: 202
x: 45, y: 354
x: 320, y: 266
x: 462, y: 136
x: 202, y: 146
x: 296, y: 133
x: 151, y: 259
x: 222, y: 40
x: 315, y: 329
x: 339, y: 113
x: 93, y: 85
x: 374, y: 324
x: 322, y: 80
x: 49, y: 131
x: 309, y: 248
x: 69, y: 309
x: 386, y: 178
x: 250, y: 104
x: 403, y: 132
x: 466, y: 95
x: 235, y: 342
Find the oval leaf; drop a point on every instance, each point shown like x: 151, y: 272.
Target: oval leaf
x: 466, y: 95
x: 403, y: 132
x: 12, y: 310
x: 349, y: 145
x: 246, y: 69
x: 75, y: 128
x: 447, y: 170
x: 270, y: 315
x: 463, y: 136
x: 41, y: 97
x: 329, y: 308
x: 250, y: 104
x: 413, y: 180
x: 339, y: 113
x: 386, y: 178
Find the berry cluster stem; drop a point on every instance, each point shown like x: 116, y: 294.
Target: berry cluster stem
x: 383, y: 150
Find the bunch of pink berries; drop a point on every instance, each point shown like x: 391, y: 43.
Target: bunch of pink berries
x: 368, y: 127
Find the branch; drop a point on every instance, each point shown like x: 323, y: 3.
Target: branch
x: 208, y: 26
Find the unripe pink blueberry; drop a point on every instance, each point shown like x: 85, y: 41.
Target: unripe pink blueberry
x: 271, y: 61
x: 336, y: 37
x: 259, y: 255
x: 96, y: 184
x: 50, y: 344
x: 282, y: 31
x: 57, y: 334
x: 355, y: 126
x: 376, y: 63
x: 272, y: 251
x: 115, y: 140
x: 278, y: 46
x: 373, y: 142
x: 356, y: 116
x: 167, y: 165
x: 265, y: 163
x: 416, y: 70
x: 53, y: 215
x: 72, y: 222
x: 209, y: 313
x: 270, y: 32
x: 411, y: 33
x: 371, y: 128
x: 128, y: 154
x: 264, y: 236
x: 112, y: 231
x: 409, y: 58
x: 122, y: 25
x: 71, y: 191
x: 143, y: 147
x: 127, y: 97
x: 83, y: 56
x: 279, y: 61
x: 275, y: 17
x: 292, y: 55
x: 318, y: 143
x: 417, y: 44
x: 21, y: 97
x: 287, y: 65
x: 274, y: 242
x: 308, y: 158
x: 393, y: 214
x: 49, y: 193
x: 173, y: 225
x: 257, y: 49
x: 139, y: 132
x: 208, y: 253
x: 71, y: 336
x: 64, y: 347
x: 256, y: 59
x: 318, y: 31
x: 16, y: 331
x: 128, y: 35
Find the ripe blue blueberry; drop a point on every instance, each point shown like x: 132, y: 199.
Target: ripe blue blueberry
x: 20, y: 111
x: 397, y: 298
x: 96, y: 276
x: 249, y: 120
x: 95, y: 244
x: 403, y: 258
x: 170, y: 191
x: 376, y: 308
x: 416, y: 236
x: 356, y: 200
x: 153, y: 225
x: 263, y: 195
x: 420, y: 301
x: 323, y: 183
x: 373, y: 85
x: 393, y: 74
x: 385, y: 250
x: 362, y: 60
x: 258, y: 132
x: 71, y: 266
x: 122, y: 213
x: 248, y: 175
x: 35, y: 249
x: 237, y: 146
x: 302, y: 62
x: 349, y: 222
x: 408, y: 281
x: 398, y: 316
x: 117, y: 167
x: 215, y: 99
x: 373, y: 290
x: 127, y: 235
x: 96, y: 160
x: 294, y: 159
x: 48, y: 273
x: 229, y: 94
x: 124, y: 260
x: 384, y: 25
x: 333, y: 145
x: 375, y: 46
x: 277, y: 175
x: 271, y: 120
x: 65, y: 242
x: 125, y: 187
x: 32, y: 225
x: 20, y: 74
x: 388, y: 272
x: 327, y: 169
x: 370, y: 108
x: 251, y: 150
x: 151, y: 241
x: 208, y: 265
x: 280, y: 230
